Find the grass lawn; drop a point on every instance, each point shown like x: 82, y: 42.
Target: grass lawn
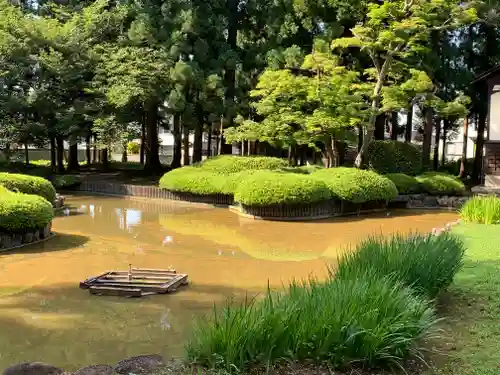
x: 472, y: 307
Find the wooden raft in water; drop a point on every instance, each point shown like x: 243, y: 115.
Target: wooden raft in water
x: 136, y: 282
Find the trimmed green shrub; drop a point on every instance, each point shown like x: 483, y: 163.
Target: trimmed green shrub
x: 453, y: 167
x: 394, y: 157
x: 195, y: 180
x: 482, y: 210
x: 264, y: 188
x: 404, y: 183
x: 28, y: 185
x: 21, y: 212
x: 355, y: 185
x: 232, y: 164
x: 66, y: 181
x: 427, y: 263
x: 436, y: 183
x: 369, y: 322
x: 133, y: 148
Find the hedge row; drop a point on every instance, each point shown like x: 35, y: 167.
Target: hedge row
x: 433, y: 183
x: 21, y: 212
x: 372, y: 313
x: 282, y: 186
x: 394, y: 157
x: 268, y: 182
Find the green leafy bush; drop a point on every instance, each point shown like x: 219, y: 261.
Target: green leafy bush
x: 394, y: 157
x: 427, y: 263
x: 436, y: 183
x: 369, y: 322
x: 28, y: 185
x: 21, y: 212
x: 404, y: 183
x: 264, y: 188
x: 66, y: 181
x: 482, y: 210
x: 453, y: 167
x: 355, y: 185
x: 232, y: 164
x: 133, y: 148
x: 195, y: 180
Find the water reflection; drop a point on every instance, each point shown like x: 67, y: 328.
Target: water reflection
x: 44, y: 316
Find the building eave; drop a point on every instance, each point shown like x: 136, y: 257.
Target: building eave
x: 486, y: 74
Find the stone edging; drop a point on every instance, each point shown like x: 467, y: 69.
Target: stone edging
x: 10, y: 241
x: 424, y: 201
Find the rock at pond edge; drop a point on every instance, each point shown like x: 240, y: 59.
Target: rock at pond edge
x: 142, y: 364
x: 95, y: 370
x: 33, y: 368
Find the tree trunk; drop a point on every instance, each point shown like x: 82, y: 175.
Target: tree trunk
x: 426, y: 145
x: 220, y: 138
x: 198, y: 142
x: 209, y: 141
x: 26, y: 154
x: 142, y: 151
x: 230, y: 70
x: 124, y: 154
x: 95, y: 153
x: 478, y: 157
x: 446, y: 126
x: 87, y: 150
x: 375, y: 107
x: 332, y: 152
x: 379, y: 133
x: 153, y: 163
x: 436, y: 144
x: 464, y: 148
x: 360, y: 137
x: 177, y: 151
x: 185, y: 145
x: 394, y: 126
x: 53, y: 154
x: 409, y: 124
x: 60, y: 154
x: 104, y: 158
x: 73, y: 164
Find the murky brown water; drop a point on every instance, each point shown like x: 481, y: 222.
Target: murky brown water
x: 45, y: 316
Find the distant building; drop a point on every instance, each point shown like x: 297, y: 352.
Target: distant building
x: 491, y: 165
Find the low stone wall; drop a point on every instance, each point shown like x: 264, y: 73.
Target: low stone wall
x: 428, y: 201
x: 154, y: 192
x: 10, y: 241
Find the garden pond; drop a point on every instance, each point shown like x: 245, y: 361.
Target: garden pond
x: 44, y: 316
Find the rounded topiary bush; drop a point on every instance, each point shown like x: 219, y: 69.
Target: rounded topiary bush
x: 404, y: 183
x: 266, y: 188
x: 232, y: 164
x: 28, y: 185
x: 197, y: 181
x: 436, y: 183
x: 23, y: 212
x: 357, y: 186
x: 394, y: 157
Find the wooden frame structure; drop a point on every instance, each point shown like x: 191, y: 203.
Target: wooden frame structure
x: 136, y: 282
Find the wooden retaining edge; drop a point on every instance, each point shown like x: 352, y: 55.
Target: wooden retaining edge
x: 237, y: 210
x: 52, y: 235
